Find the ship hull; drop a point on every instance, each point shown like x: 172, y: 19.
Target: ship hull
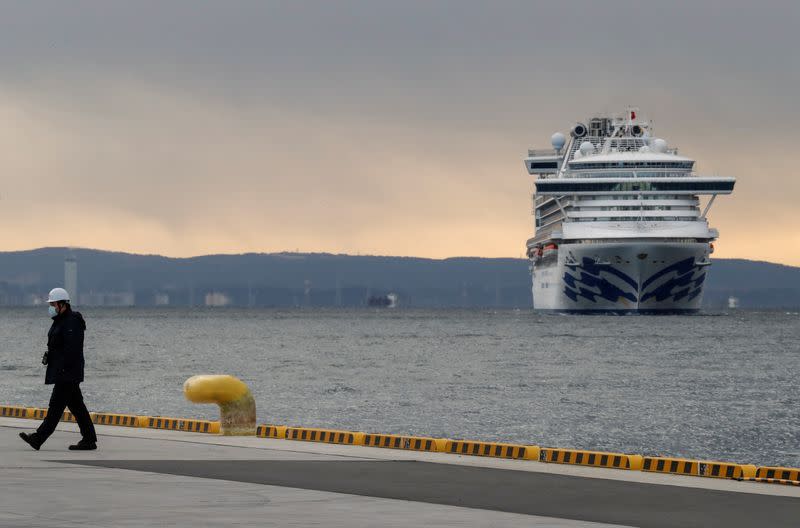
x: 624, y: 277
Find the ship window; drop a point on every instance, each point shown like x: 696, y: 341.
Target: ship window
x: 632, y: 164
x: 544, y: 165
x: 610, y: 174
x: 661, y: 174
x: 563, y: 188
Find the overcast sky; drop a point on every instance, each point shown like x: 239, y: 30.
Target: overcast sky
x: 394, y: 128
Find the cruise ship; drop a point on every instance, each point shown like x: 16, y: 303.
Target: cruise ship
x: 619, y: 226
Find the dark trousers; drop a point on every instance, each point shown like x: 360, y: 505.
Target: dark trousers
x: 67, y: 395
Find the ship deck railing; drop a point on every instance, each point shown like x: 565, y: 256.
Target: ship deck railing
x: 533, y: 153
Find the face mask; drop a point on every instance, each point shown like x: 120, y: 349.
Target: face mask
x: 52, y: 311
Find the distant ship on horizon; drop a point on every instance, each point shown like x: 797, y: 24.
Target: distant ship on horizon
x: 618, y: 225
x: 383, y: 301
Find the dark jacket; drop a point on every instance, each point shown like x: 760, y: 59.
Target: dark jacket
x: 65, y: 349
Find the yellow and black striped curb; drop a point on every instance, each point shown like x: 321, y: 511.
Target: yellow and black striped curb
x: 676, y: 466
x: 37, y: 414
x: 411, y: 443
x: 180, y: 424
x: 328, y: 436
x: 492, y: 449
x: 12, y: 411
x: 159, y: 422
x: 699, y: 468
x: 271, y: 431
x: 580, y: 457
x: 201, y: 426
x: 124, y: 420
x: 778, y: 473
x: 40, y: 414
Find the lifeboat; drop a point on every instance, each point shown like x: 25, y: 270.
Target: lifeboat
x: 710, y: 247
x: 549, y: 249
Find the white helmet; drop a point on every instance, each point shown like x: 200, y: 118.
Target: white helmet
x: 58, y: 294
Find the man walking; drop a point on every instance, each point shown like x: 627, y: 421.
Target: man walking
x: 64, y: 360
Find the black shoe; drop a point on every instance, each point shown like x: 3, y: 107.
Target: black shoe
x: 31, y: 439
x: 83, y: 446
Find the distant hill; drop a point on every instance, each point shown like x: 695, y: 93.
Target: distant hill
x: 292, y: 279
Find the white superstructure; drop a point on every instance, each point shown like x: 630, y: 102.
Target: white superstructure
x: 619, y: 227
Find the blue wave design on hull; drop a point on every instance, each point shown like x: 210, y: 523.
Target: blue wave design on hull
x: 688, y: 286
x: 589, y: 274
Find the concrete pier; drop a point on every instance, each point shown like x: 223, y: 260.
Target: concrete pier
x: 146, y: 477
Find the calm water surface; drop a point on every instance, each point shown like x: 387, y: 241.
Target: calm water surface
x: 719, y: 386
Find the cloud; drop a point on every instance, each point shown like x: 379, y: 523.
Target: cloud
x: 169, y: 173
x: 371, y: 127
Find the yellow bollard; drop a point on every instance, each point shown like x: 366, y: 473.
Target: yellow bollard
x: 236, y: 404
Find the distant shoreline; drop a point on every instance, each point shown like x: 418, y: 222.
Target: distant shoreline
x: 295, y: 280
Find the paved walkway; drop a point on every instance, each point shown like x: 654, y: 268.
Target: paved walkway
x: 142, y: 477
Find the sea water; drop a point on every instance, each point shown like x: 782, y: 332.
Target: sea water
x: 716, y: 386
